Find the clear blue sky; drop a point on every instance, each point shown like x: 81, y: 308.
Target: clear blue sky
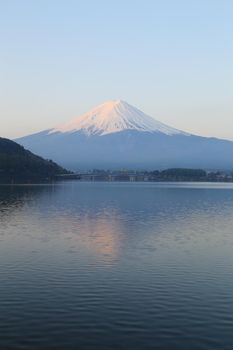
x: 171, y: 58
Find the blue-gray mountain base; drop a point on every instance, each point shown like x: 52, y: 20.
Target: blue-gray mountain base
x: 116, y: 135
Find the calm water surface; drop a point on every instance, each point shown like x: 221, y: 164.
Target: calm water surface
x: 116, y: 266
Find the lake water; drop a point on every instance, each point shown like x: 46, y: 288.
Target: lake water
x: 116, y: 266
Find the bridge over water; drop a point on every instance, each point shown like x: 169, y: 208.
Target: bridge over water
x: 104, y: 177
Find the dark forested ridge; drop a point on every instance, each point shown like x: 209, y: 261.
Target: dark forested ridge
x: 19, y: 165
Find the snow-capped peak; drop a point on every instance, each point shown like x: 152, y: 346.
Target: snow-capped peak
x: 114, y: 116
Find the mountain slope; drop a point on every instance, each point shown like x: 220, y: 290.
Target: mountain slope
x: 114, y: 116
x: 115, y: 135
x: 20, y: 165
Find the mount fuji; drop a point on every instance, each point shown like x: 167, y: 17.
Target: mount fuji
x: 117, y: 135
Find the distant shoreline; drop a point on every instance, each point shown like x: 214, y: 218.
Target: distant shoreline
x: 71, y: 181
x: 168, y: 175
x: 174, y: 175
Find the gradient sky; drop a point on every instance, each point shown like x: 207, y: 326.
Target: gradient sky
x: 173, y: 59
